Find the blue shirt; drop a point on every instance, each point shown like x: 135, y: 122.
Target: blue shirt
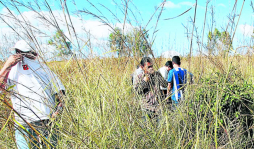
x: 177, y: 78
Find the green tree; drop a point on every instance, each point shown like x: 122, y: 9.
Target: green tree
x: 117, y: 41
x: 135, y: 41
x: 138, y: 42
x: 62, y: 46
x: 219, y: 41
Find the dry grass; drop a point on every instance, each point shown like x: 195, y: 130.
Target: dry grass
x: 101, y: 111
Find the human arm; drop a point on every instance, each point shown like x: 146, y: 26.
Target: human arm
x: 169, y: 88
x: 59, y: 99
x: 141, y: 83
x: 12, y: 61
x: 170, y: 81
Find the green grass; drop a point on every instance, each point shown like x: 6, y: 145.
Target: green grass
x: 101, y: 110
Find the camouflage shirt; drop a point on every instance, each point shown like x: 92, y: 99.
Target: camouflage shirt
x: 150, y: 91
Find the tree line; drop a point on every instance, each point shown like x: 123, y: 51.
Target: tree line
x: 136, y: 42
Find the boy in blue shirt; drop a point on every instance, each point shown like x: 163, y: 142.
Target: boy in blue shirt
x: 177, y: 78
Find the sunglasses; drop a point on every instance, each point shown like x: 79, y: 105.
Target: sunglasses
x: 151, y: 66
x: 25, y: 53
x: 19, y: 51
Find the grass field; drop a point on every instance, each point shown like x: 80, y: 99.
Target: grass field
x: 101, y: 111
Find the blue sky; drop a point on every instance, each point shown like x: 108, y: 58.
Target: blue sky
x: 170, y: 34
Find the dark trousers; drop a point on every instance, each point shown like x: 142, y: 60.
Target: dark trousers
x: 150, y: 116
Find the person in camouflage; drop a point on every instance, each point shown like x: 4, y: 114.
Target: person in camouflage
x: 148, y: 89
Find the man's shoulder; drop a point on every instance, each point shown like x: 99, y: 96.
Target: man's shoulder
x: 179, y: 69
x: 160, y: 68
x: 171, y: 71
x: 157, y: 73
x: 185, y: 71
x: 138, y: 71
x: 140, y: 75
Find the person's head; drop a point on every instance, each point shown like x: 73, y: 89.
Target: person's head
x: 25, y: 48
x: 176, y: 61
x: 169, y: 65
x: 147, y: 65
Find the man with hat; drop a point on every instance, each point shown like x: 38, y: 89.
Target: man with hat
x: 33, y: 88
x: 177, y: 78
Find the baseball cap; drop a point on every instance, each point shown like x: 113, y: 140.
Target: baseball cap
x: 24, y: 46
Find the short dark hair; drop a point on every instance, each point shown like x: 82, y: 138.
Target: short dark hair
x: 169, y: 64
x: 144, y: 60
x: 176, y: 60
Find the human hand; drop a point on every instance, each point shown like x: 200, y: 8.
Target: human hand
x: 54, y: 114
x: 13, y: 60
x: 150, y: 71
x: 146, y: 78
x: 58, y: 110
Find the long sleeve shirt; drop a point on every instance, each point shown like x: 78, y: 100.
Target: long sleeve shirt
x: 149, y: 91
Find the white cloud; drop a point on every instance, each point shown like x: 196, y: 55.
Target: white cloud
x: 127, y: 27
x: 222, y: 5
x: 191, y: 4
x: 246, y: 30
x: 35, y: 23
x: 6, y: 31
x: 187, y: 3
x: 170, y: 4
x: 32, y: 23
x: 97, y: 29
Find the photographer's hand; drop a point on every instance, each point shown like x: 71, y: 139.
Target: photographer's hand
x: 12, y: 61
x: 59, y: 109
x: 59, y: 98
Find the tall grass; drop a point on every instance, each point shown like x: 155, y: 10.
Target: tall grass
x: 102, y: 111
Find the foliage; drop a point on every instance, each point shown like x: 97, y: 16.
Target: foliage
x: 62, y: 46
x: 219, y: 41
x: 227, y: 99
x: 117, y: 42
x: 136, y: 42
